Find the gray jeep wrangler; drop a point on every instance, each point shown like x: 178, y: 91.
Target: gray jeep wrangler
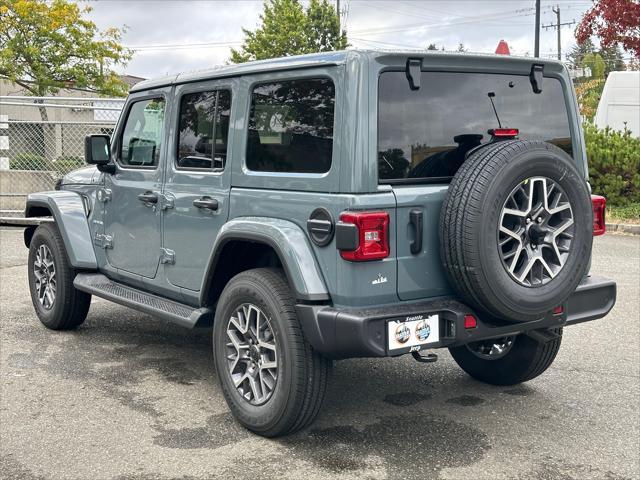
x: 346, y: 204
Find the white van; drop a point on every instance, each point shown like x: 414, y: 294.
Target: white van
x: 620, y: 103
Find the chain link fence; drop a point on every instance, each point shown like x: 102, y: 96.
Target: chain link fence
x: 42, y: 139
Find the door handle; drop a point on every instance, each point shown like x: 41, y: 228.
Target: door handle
x: 415, y: 219
x: 206, y: 203
x: 148, y: 198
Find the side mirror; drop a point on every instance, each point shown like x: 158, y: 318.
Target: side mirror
x: 96, y: 149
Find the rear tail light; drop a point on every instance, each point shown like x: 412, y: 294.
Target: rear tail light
x: 558, y: 310
x: 504, y: 132
x: 372, y: 234
x: 599, y: 203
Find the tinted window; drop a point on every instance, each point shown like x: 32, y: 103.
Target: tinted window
x: 426, y: 133
x: 142, y: 134
x: 203, y: 130
x: 291, y: 126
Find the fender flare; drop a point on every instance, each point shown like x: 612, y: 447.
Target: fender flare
x: 288, y: 241
x: 68, y: 211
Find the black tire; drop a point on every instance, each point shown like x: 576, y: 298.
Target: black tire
x: 70, y: 307
x: 527, y: 359
x: 302, y: 373
x: 469, y: 229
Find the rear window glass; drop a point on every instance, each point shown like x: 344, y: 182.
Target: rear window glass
x: 291, y: 126
x: 426, y: 133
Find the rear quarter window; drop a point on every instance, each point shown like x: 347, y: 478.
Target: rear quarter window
x: 291, y: 126
x: 425, y: 134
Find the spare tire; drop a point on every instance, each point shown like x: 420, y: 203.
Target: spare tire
x: 516, y: 229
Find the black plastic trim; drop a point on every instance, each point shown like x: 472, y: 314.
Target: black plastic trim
x: 362, y: 332
x: 415, y: 219
x: 320, y: 227
x: 347, y: 236
x: 536, y: 76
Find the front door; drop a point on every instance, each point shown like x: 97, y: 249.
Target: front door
x: 133, y: 213
x: 198, y: 180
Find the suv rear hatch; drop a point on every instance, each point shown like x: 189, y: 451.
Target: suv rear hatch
x: 424, y: 135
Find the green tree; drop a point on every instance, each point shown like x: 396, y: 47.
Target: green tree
x: 461, y: 48
x: 595, y: 62
x: 579, y: 51
x: 432, y: 46
x: 49, y: 45
x: 613, y: 59
x: 288, y: 29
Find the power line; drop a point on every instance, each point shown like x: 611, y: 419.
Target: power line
x: 558, y: 26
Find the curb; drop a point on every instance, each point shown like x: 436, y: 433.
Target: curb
x: 623, y: 228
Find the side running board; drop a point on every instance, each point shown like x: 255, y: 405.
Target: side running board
x: 184, y: 315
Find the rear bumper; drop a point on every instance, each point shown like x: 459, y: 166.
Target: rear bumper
x: 345, y: 333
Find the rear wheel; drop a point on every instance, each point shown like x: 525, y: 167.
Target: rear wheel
x: 508, y: 360
x: 58, y: 304
x: 272, y: 380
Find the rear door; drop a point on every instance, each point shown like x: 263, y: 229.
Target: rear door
x: 424, y: 136
x: 197, y: 181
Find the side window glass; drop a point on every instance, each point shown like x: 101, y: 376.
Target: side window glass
x: 203, y: 130
x: 291, y: 126
x: 142, y: 134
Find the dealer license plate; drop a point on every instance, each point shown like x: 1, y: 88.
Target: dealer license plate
x: 416, y: 331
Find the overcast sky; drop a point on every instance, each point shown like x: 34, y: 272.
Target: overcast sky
x: 172, y: 36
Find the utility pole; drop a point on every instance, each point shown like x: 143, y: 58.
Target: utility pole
x: 536, y: 48
x: 558, y: 26
x: 338, y: 12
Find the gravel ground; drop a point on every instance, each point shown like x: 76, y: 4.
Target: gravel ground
x: 127, y: 396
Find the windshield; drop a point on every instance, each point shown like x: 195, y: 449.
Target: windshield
x: 425, y: 134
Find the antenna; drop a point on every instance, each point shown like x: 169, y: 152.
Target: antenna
x: 491, y: 95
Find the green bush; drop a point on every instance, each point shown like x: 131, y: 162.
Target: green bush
x: 614, y: 164
x: 627, y: 214
x: 64, y: 165
x: 29, y: 161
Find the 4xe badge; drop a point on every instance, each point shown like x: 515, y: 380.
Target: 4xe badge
x: 402, y: 333
x: 379, y: 280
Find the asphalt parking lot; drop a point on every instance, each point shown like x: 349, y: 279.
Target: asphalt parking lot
x: 127, y: 396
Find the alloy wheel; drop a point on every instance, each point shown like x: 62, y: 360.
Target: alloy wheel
x: 252, y: 354
x: 45, y: 281
x: 536, y: 231
x: 492, y: 349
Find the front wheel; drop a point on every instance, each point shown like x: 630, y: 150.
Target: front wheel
x: 507, y: 360
x: 58, y: 304
x: 270, y: 376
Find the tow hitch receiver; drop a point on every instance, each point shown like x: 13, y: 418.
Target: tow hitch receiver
x: 428, y: 358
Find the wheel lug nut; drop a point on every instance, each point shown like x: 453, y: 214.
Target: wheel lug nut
x: 528, y: 220
x: 539, y: 220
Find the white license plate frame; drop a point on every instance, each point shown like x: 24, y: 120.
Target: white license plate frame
x: 414, y: 332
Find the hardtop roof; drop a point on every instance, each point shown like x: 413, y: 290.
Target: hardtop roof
x: 315, y: 60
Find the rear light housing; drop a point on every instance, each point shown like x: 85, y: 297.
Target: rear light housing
x: 372, y: 234
x: 599, y: 204
x: 470, y: 321
x: 504, y: 132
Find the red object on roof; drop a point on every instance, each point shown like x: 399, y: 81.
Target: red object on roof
x: 502, y: 48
